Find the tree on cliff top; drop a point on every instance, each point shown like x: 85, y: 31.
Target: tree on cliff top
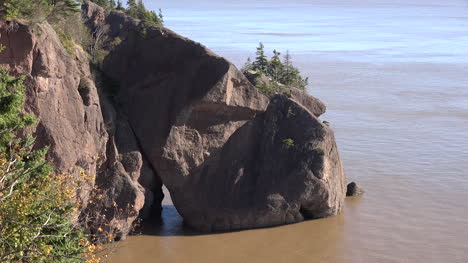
x: 106, y: 4
x: 281, y: 73
x: 38, y: 11
x: 261, y: 62
x: 137, y: 9
x: 275, y: 67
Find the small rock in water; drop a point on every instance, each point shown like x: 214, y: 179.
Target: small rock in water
x: 354, y: 189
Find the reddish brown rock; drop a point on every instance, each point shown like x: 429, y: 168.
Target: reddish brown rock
x: 314, y: 105
x: 209, y: 135
x: 62, y: 94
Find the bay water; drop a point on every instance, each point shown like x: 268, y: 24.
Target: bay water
x: 394, y: 76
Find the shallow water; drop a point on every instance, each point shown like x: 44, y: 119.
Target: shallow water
x: 394, y: 77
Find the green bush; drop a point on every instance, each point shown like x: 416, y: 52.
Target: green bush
x: 266, y: 88
x: 319, y: 151
x: 116, y: 42
x: 288, y: 143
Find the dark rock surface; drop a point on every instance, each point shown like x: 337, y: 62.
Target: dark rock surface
x: 353, y: 189
x: 215, y: 141
x: 259, y: 180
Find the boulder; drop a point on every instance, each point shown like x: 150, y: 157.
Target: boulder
x: 314, y: 105
x: 353, y: 189
x: 280, y: 167
x: 230, y: 158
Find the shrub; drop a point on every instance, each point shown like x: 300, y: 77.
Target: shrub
x: 73, y: 28
x: 288, y: 143
x: 319, y: 151
x: 116, y: 42
x: 266, y: 89
x: 290, y: 113
x: 67, y: 42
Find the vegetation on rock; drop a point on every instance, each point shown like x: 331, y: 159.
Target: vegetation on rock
x: 282, y: 75
x: 38, y: 11
x: 62, y: 15
x: 288, y: 143
x: 138, y: 10
x: 135, y: 9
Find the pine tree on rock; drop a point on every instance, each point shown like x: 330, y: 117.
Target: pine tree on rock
x: 261, y: 61
x: 281, y: 73
x: 275, y: 66
x: 119, y: 5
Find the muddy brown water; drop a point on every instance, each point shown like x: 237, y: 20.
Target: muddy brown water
x: 394, y: 76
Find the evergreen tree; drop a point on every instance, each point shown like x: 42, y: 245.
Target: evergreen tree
x: 287, y: 75
x: 275, y: 66
x: 69, y: 6
x: 39, y: 10
x: 119, y: 5
x: 131, y: 4
x: 132, y: 8
x: 261, y: 62
x: 137, y: 9
x: 247, y: 66
x: 282, y: 74
x: 291, y: 76
x: 160, y: 16
x: 11, y: 101
x: 112, y: 4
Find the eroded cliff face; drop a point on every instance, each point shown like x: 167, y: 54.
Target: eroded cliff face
x: 183, y: 116
x: 62, y: 94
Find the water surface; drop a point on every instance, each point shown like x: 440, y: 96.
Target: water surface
x: 394, y: 76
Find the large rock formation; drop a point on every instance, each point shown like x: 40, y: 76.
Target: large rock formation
x: 231, y: 157
x: 62, y: 94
